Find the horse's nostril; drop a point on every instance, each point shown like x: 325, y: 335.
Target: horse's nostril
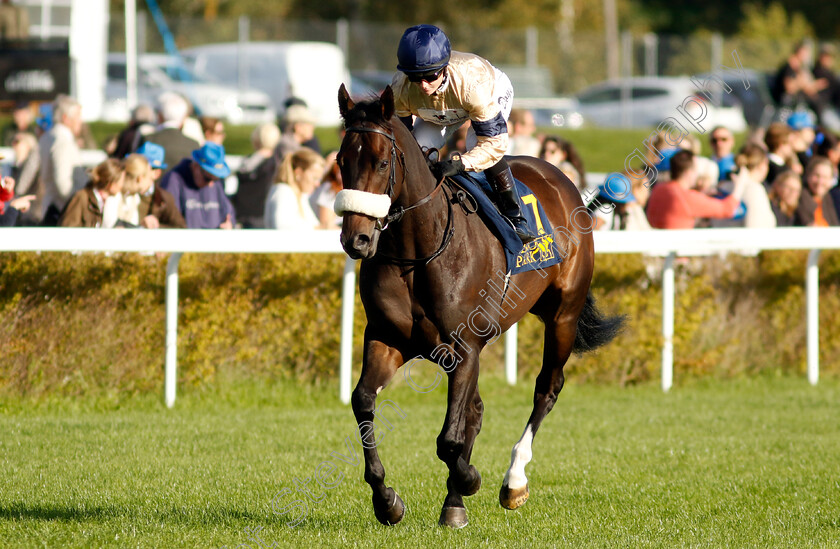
x: 361, y: 242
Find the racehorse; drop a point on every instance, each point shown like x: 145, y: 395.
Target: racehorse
x: 427, y: 267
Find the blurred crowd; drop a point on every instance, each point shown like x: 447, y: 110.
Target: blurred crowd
x: 167, y: 168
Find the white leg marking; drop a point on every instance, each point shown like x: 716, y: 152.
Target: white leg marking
x: 519, y: 458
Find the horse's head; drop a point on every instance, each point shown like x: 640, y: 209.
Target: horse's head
x: 369, y: 159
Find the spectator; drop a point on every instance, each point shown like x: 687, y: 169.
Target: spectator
x: 213, y: 129
x: 722, y: 143
x: 521, y: 139
x: 11, y: 207
x: 323, y: 199
x: 155, y: 156
x: 26, y: 170
x: 828, y: 99
x: 752, y: 165
x: 62, y: 173
x: 87, y: 206
x: 826, y: 144
x: 779, y: 151
x: 196, y: 185
x: 22, y: 121
x: 795, y: 87
x: 142, y: 202
x: 14, y: 21
x: 621, y: 204
x: 142, y: 124
x: 298, y: 128
x: 673, y: 205
x: 255, y: 177
x: 287, y: 205
x: 85, y: 139
x: 834, y: 194
x: 816, y: 206
x: 784, y: 197
x: 311, y: 143
x: 802, y: 135
x: 172, y: 110
x: 564, y: 156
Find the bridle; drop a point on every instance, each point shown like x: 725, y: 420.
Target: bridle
x: 395, y: 214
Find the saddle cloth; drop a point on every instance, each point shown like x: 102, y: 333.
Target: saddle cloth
x: 537, y: 254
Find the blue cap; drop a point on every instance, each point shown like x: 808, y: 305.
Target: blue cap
x: 800, y: 120
x: 665, y: 163
x: 423, y: 48
x: 211, y: 158
x: 617, y: 188
x: 154, y: 153
x: 45, y: 120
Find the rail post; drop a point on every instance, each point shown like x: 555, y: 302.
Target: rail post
x: 668, y: 322
x: 171, y: 328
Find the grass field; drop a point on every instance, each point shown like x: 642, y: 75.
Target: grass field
x: 747, y: 463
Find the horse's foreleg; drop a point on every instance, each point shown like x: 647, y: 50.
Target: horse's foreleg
x: 559, y: 339
x: 454, y: 444
x: 379, y: 365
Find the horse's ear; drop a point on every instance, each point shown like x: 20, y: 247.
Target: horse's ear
x: 345, y: 104
x: 387, y: 101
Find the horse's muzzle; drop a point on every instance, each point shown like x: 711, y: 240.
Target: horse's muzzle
x: 360, y: 246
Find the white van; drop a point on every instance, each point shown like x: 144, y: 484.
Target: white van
x: 312, y: 71
x: 158, y: 73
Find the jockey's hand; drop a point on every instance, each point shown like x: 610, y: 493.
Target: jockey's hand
x: 447, y: 168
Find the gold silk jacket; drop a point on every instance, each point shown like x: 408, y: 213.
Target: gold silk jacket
x: 467, y: 93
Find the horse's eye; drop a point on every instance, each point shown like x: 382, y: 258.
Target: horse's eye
x: 383, y: 164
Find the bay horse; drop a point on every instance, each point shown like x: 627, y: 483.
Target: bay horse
x: 426, y: 269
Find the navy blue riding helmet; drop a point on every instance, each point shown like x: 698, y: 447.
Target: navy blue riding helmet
x: 423, y: 48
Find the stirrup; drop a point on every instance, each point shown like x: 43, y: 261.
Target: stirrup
x: 520, y: 226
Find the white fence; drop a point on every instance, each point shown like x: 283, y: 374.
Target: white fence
x: 668, y: 244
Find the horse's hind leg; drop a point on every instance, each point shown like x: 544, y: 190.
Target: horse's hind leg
x: 559, y: 339
x: 379, y: 365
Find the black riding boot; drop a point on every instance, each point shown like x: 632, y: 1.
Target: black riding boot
x: 508, y: 201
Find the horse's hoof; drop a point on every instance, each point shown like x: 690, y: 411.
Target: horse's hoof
x: 471, y: 484
x: 389, y: 514
x: 513, y: 498
x: 453, y: 517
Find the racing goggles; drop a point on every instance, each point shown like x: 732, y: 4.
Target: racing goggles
x: 418, y: 77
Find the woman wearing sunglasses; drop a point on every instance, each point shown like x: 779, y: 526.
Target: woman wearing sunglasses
x: 444, y: 89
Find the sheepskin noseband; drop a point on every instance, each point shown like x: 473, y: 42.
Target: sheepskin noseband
x: 372, y: 204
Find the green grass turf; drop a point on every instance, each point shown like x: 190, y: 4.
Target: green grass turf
x: 745, y: 463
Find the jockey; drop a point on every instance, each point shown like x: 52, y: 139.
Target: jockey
x: 444, y: 89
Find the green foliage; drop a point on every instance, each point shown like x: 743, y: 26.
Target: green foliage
x: 773, y: 23
x: 95, y: 324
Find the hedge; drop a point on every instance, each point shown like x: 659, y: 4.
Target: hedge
x: 94, y: 324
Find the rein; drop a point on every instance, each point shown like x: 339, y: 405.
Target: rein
x: 396, y: 215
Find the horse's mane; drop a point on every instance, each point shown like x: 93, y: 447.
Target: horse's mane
x: 367, y: 110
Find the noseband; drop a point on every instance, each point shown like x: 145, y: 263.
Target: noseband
x: 396, y: 214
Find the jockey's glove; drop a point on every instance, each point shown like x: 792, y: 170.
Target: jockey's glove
x: 447, y: 168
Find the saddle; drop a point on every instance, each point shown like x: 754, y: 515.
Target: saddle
x: 537, y: 254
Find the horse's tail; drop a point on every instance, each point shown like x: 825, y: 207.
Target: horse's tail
x: 594, y: 329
